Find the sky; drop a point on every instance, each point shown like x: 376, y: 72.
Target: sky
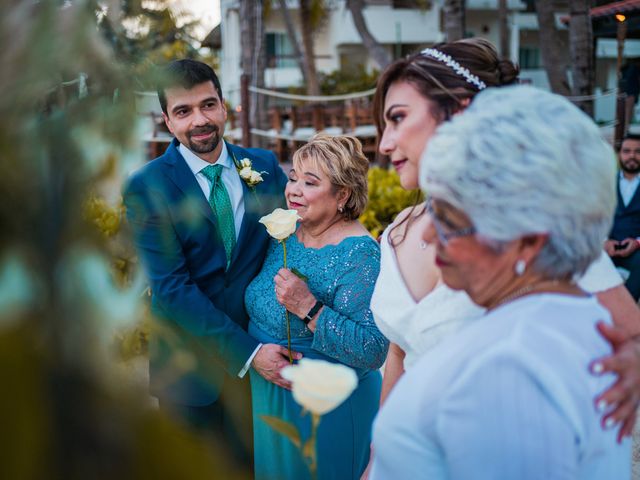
x: 207, y: 11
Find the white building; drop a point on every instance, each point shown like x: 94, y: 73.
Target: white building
x: 401, y: 30
x: 337, y: 44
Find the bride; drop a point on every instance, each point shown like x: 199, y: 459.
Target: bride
x: 410, y: 304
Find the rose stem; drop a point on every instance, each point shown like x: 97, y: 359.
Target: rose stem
x: 286, y: 312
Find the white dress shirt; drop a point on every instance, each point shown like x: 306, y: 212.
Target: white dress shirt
x: 233, y: 184
x: 508, y: 397
x: 628, y: 188
x: 229, y: 176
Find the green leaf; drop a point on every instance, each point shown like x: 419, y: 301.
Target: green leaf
x: 285, y: 428
x: 300, y: 275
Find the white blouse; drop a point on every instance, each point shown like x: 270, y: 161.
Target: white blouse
x: 508, y: 397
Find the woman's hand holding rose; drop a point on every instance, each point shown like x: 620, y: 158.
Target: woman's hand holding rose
x: 292, y: 292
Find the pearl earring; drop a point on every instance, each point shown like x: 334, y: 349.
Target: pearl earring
x: 520, y: 267
x: 340, y: 209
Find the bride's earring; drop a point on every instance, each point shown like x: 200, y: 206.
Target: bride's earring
x: 520, y: 267
x: 340, y: 209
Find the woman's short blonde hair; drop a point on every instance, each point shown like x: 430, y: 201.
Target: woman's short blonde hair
x: 341, y: 159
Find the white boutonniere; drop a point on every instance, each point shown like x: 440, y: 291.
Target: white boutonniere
x: 250, y: 176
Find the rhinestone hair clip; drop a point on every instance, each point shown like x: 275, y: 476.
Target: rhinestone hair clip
x: 455, y: 66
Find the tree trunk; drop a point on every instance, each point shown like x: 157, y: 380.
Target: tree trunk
x: 581, y: 51
x: 454, y: 19
x: 503, y: 21
x: 293, y: 39
x: 246, y: 60
x: 253, y: 60
x: 247, y: 22
x: 551, y: 46
x: 377, y: 51
x: 313, y: 85
x: 261, y: 117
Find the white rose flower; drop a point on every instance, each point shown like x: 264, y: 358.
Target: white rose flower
x: 320, y: 386
x: 245, y: 163
x: 255, y: 177
x: 245, y: 173
x: 280, y: 223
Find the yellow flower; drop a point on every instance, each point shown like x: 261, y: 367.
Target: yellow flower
x: 320, y: 386
x: 280, y: 223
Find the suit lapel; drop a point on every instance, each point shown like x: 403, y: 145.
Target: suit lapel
x: 182, y: 176
x: 252, y: 211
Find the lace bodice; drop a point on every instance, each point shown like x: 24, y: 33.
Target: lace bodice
x: 342, y: 277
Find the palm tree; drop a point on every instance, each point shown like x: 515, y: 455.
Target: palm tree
x: 503, y: 19
x: 309, y: 25
x: 552, y: 45
x: 581, y: 53
x: 300, y: 57
x: 312, y: 13
x: 253, y: 60
x: 454, y: 19
x: 377, y: 51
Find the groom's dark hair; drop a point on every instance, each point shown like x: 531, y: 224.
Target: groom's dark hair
x: 185, y: 73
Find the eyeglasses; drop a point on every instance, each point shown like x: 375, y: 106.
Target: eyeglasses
x: 445, y: 234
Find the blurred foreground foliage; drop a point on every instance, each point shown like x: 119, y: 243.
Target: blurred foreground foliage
x: 387, y: 198
x: 129, y: 341
x: 144, y: 34
x: 68, y: 281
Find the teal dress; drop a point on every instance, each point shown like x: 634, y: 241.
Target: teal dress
x: 342, y: 277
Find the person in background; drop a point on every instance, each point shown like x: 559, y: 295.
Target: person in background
x: 623, y: 244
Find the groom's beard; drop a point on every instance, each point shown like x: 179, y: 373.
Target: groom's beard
x: 205, y: 146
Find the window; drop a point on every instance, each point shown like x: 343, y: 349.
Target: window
x: 280, y: 51
x: 529, y: 58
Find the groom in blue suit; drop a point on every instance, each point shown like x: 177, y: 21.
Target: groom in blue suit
x: 194, y: 214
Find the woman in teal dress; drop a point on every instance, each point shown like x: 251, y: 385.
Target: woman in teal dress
x: 329, y: 310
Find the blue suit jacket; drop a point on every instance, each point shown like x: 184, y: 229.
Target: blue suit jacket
x: 199, y: 304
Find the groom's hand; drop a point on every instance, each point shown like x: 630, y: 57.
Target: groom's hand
x: 270, y: 359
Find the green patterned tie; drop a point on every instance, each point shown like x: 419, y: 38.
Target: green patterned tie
x: 221, y: 205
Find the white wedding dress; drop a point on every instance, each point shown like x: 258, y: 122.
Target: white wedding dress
x: 418, y: 327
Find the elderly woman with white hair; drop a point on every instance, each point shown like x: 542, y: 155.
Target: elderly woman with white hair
x: 521, y: 194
